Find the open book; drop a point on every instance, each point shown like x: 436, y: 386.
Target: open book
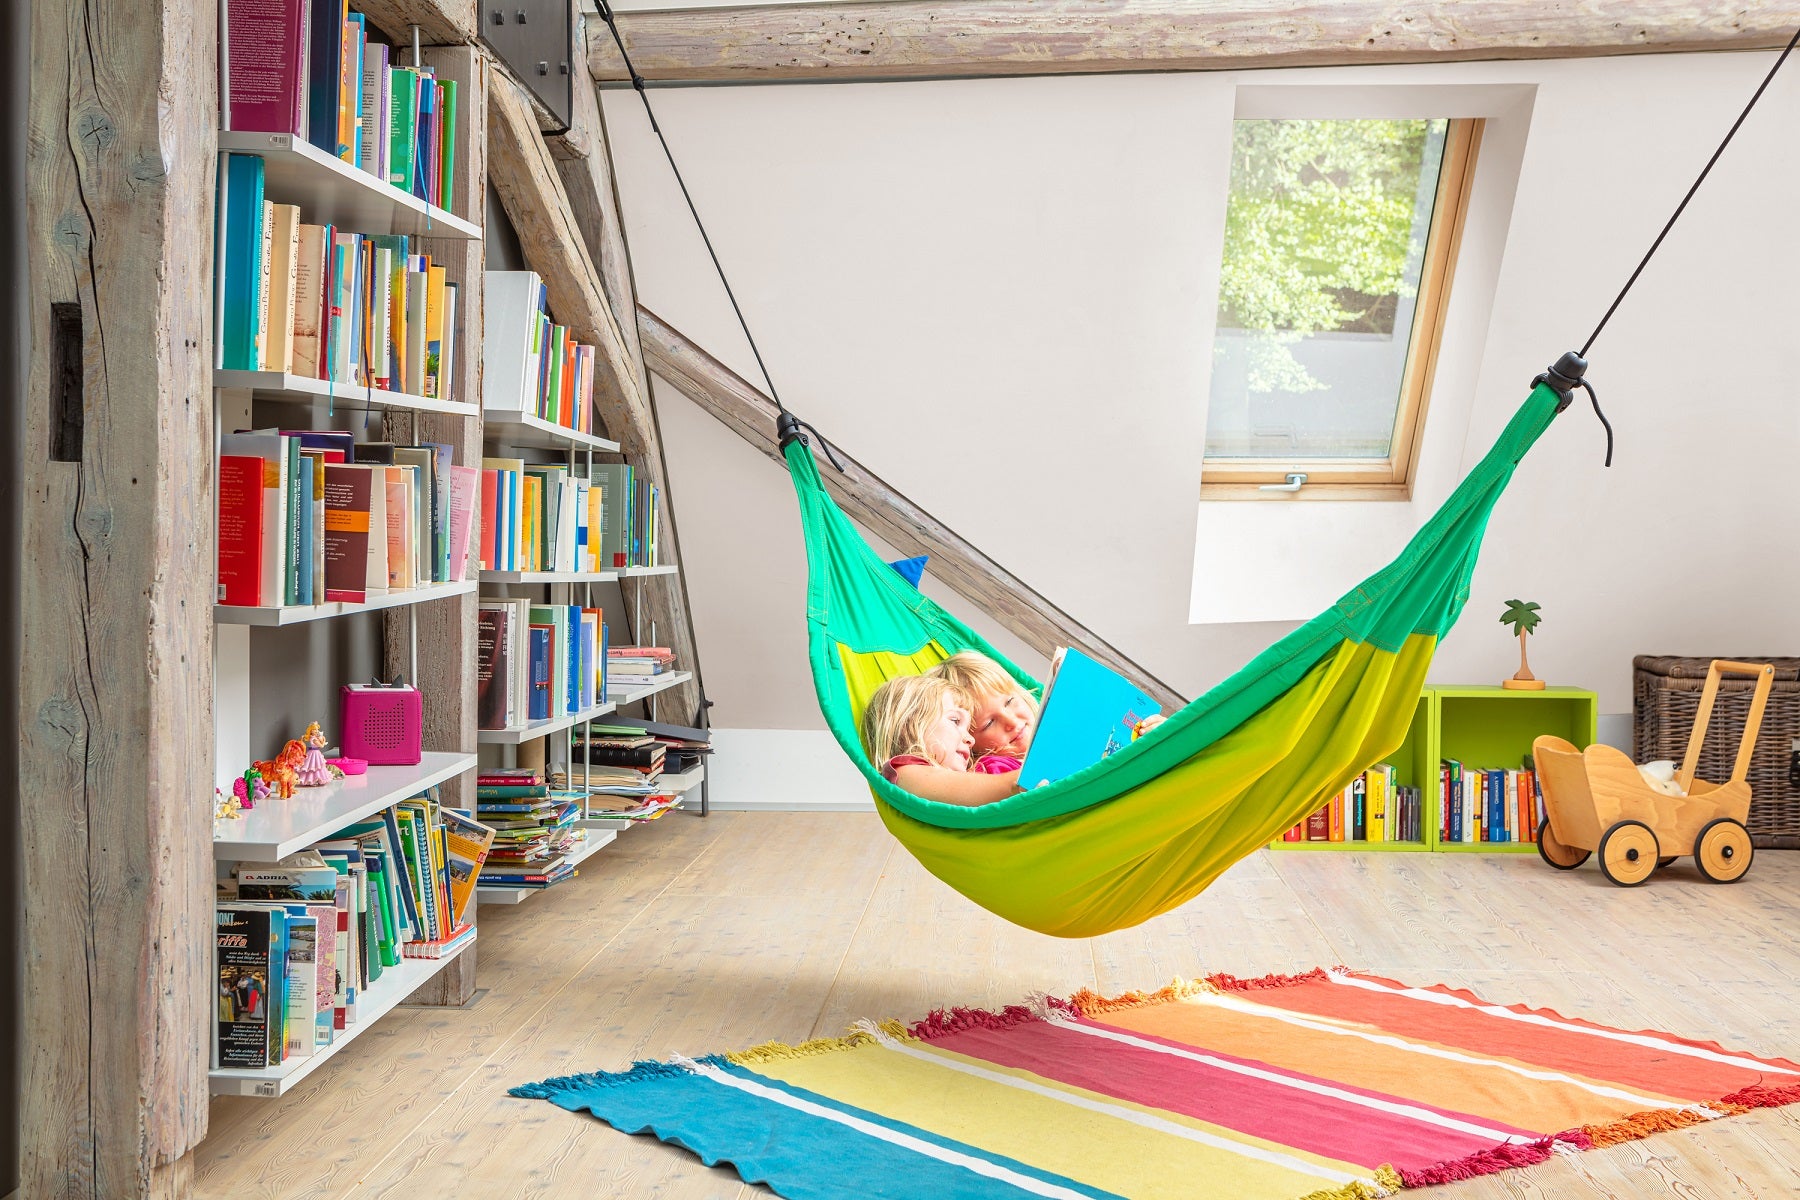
x: 1089, y: 712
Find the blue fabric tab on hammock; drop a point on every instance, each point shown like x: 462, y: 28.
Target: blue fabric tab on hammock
x: 804, y: 1145
x: 911, y: 569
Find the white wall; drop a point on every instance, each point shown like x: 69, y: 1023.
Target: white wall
x: 999, y: 295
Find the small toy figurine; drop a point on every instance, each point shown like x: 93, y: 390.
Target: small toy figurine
x: 228, y: 808
x: 1523, y: 616
x: 246, y: 789
x: 280, y: 771
x: 313, y: 770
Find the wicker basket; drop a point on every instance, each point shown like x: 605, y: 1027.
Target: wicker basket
x: 1665, y: 699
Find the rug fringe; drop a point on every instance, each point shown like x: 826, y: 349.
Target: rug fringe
x: 637, y: 1073
x: 1482, y: 1162
x: 777, y: 1051
x: 1386, y: 1183
x: 944, y: 1022
x: 1231, y: 983
x: 1758, y: 1096
x: 1643, y: 1124
x: 1091, y: 1003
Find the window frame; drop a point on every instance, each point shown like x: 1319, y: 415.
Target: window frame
x: 1391, y: 478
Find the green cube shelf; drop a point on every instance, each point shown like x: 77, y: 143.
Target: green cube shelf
x: 1483, y: 726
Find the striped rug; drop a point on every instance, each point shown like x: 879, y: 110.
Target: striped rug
x: 1328, y: 1085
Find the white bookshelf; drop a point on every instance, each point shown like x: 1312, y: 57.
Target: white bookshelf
x: 296, y: 614
x: 277, y: 385
x: 511, y: 427
x: 276, y: 827
x: 373, y: 1003
x: 549, y: 576
x: 596, y: 841
x: 630, y: 693
x: 331, y: 191
x: 537, y: 729
x: 636, y: 572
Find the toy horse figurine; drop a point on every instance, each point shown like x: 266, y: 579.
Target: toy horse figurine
x: 282, y: 771
x: 313, y: 771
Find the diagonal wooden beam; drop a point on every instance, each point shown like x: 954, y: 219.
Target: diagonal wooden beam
x: 440, y: 22
x: 876, y: 505
x: 900, y: 39
x: 523, y: 171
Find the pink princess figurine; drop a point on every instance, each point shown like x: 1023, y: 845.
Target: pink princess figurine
x: 313, y: 770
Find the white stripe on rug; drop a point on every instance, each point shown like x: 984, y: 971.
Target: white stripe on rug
x: 1616, y: 1035
x: 1249, y: 1008
x: 991, y: 1170
x: 1134, y: 1116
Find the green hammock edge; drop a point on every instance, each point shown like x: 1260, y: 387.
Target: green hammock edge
x: 857, y: 600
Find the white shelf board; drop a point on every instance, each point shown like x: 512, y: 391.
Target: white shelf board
x: 516, y: 428
x: 633, y: 692
x: 396, y: 984
x: 548, y: 576
x: 537, y: 729
x: 331, y: 191
x: 295, y: 614
x: 683, y: 781
x: 596, y: 841
x: 506, y: 894
x: 276, y: 828
x: 279, y: 385
x: 664, y: 570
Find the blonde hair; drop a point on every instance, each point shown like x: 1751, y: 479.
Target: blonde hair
x: 899, y: 715
x: 975, y: 675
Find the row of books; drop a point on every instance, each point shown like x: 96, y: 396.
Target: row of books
x: 1373, y: 807
x: 626, y: 759
x: 534, y: 366
x: 299, y: 942
x: 536, y: 661
x: 322, y: 302
x: 1473, y: 805
x: 309, y: 516
x: 626, y: 665
x: 1487, y: 804
x: 309, y: 68
x: 535, y: 830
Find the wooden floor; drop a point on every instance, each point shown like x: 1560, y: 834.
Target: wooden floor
x: 697, y: 935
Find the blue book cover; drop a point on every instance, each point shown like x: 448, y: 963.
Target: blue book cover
x: 325, y: 64
x: 576, y: 665
x: 352, y: 153
x: 540, y: 673
x: 1089, y: 713
x: 307, y: 465
x: 1496, y: 822
x: 589, y: 638
x: 240, y: 300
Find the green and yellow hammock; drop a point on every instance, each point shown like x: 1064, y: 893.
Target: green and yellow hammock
x: 1146, y: 830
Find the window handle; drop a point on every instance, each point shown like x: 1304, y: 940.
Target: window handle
x: 1295, y: 481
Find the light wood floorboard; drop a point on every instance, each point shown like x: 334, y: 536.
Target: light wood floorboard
x: 695, y: 936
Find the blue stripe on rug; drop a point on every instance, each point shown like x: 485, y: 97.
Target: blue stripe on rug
x: 803, y: 1145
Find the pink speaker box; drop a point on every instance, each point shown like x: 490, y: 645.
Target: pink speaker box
x: 382, y: 725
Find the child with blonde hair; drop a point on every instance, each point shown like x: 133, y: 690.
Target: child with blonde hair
x: 916, y: 731
x: 1002, y: 714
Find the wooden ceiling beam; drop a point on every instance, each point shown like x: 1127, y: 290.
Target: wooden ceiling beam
x: 873, y: 503
x: 904, y: 39
x: 440, y: 22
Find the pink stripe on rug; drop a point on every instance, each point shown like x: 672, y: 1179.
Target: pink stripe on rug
x: 1336, y: 1128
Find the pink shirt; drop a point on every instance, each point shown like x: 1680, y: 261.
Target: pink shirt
x: 996, y: 764
x: 893, y: 764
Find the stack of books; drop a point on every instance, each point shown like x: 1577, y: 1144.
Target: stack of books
x: 322, y: 302
x: 1373, y: 807
x: 534, y: 366
x: 309, y: 516
x: 536, y: 661
x: 534, y: 829
x: 308, y: 68
x: 299, y: 941
x: 1487, y: 804
x: 627, y: 666
x: 622, y: 761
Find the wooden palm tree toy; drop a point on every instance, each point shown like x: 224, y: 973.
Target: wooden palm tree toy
x: 1523, y: 616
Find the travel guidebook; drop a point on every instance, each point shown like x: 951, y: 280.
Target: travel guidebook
x: 1089, y: 713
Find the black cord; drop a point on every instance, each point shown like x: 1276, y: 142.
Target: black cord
x: 1684, y: 203
x: 637, y: 82
x: 1594, y: 398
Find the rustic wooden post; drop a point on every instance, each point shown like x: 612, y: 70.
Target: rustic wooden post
x: 445, y: 629
x: 523, y: 171
x: 114, y: 707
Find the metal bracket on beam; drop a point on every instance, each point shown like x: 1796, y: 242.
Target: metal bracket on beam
x: 536, y: 38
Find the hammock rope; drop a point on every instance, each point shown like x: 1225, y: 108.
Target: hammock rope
x: 1148, y: 828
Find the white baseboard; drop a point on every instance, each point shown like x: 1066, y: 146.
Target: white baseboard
x: 783, y: 769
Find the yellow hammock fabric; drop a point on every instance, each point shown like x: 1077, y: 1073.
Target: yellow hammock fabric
x: 1147, y: 829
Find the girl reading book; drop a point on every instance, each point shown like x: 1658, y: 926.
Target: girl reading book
x: 1003, y: 716
x: 916, y: 729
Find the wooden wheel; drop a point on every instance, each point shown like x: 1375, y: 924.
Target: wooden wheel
x: 1628, y: 853
x: 1723, y: 851
x: 1563, y: 858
